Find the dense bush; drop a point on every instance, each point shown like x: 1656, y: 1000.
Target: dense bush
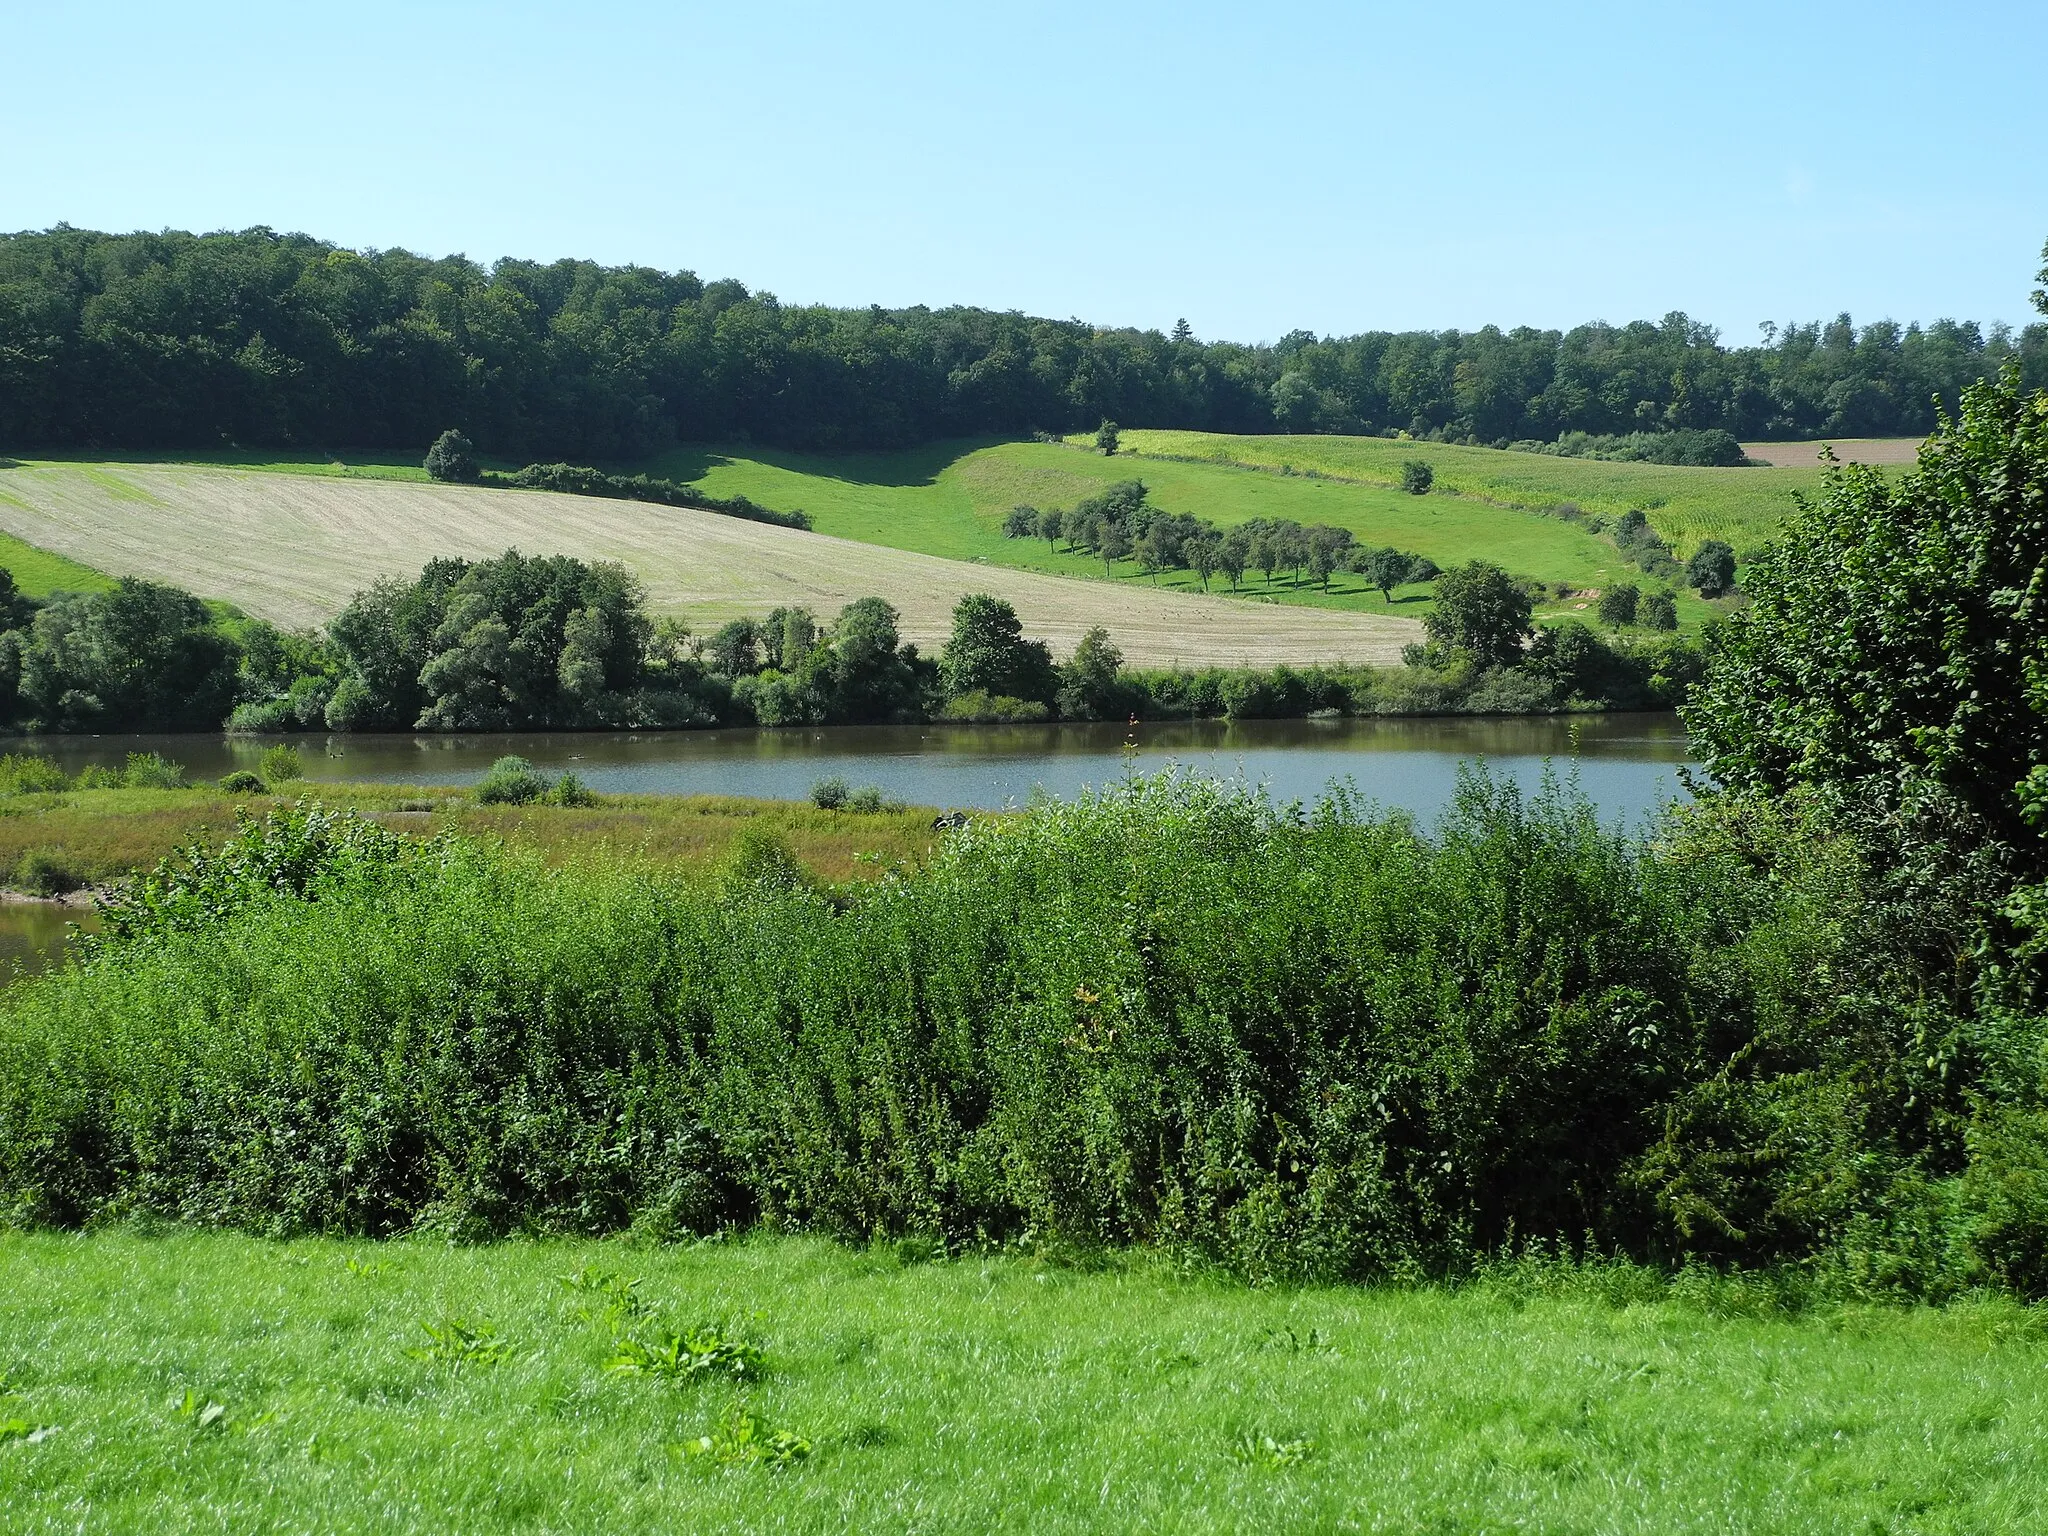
x: 1319, y: 1044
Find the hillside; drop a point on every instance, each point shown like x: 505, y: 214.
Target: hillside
x: 949, y: 499
x: 1744, y: 507
x: 293, y: 548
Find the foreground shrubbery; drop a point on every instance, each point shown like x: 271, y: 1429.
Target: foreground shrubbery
x: 1320, y: 1044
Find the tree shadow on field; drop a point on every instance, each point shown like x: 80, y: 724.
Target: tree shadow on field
x: 901, y: 467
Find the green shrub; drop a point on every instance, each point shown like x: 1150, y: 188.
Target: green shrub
x: 27, y: 773
x: 282, y: 764
x: 1315, y: 1043
x: 511, y: 781
x: 45, y: 872
x: 243, y: 782
x: 150, y: 770
x: 828, y: 794
x: 98, y: 776
x: 982, y: 708
x: 569, y: 790
x: 1417, y: 477
x: 869, y: 800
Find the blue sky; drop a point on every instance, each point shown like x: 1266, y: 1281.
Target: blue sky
x: 1254, y: 168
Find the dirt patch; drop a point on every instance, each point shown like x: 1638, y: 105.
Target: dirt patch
x: 1850, y: 450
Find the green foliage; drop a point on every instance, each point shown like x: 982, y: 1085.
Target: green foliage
x: 282, y: 764
x: 1107, y: 438
x: 45, y: 872
x: 1065, y: 1024
x: 573, y: 480
x: 1417, y: 477
x: 453, y: 457
x: 1482, y: 611
x: 1091, y: 685
x: 828, y: 794
x: 687, y: 1358
x: 604, y: 363
x: 511, y: 780
x: 1892, y: 650
x: 1711, y: 568
x: 742, y: 1440
x: 1658, y: 610
x: 152, y: 770
x: 980, y: 707
x: 1618, y: 604
x: 988, y: 654
x: 29, y: 773
x: 138, y: 656
x: 243, y: 782
x: 459, y: 1342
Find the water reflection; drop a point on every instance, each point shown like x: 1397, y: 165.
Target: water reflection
x: 1627, y: 763
x: 32, y: 935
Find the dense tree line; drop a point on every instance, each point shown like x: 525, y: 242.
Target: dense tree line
x: 552, y: 643
x: 177, y: 340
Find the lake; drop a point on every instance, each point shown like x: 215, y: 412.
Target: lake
x: 1627, y: 765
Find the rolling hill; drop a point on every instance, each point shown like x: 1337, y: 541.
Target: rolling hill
x: 293, y: 547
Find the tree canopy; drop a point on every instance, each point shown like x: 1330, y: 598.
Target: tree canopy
x: 180, y: 340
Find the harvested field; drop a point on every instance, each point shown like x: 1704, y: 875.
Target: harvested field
x: 1850, y: 450
x: 293, y: 548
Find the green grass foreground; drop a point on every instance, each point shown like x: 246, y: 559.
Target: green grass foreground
x: 206, y: 1383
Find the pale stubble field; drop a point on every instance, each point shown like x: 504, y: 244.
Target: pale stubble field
x: 293, y: 549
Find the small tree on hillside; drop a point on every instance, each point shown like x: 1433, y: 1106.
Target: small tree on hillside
x: 1659, y: 610
x: 1386, y: 569
x: 1108, y: 438
x: 1417, y: 477
x: 1021, y: 523
x: 1483, y: 610
x: 453, y: 458
x: 1051, y: 524
x: 1711, y: 568
x: 1618, y: 604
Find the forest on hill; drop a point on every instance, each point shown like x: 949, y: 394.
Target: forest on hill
x: 175, y: 340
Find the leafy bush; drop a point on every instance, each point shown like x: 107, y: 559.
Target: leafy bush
x: 282, y: 764
x: 243, y: 782
x: 575, y: 480
x: 1618, y: 604
x: 511, y: 780
x: 45, y: 872
x: 1658, y: 610
x: 569, y: 790
x: 452, y: 458
x: 828, y: 794
x: 151, y: 770
x: 982, y: 708
x: 28, y: 773
x: 1417, y: 477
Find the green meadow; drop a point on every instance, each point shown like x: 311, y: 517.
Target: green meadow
x: 206, y: 1382
x: 1743, y: 507
x: 949, y: 499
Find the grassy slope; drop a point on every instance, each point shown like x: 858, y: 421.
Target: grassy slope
x: 950, y: 499
x: 976, y: 1395
x: 100, y: 834
x: 1742, y: 506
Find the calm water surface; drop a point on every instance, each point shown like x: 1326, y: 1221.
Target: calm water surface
x: 1627, y: 765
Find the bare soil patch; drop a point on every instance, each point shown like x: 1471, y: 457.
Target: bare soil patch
x: 1850, y: 450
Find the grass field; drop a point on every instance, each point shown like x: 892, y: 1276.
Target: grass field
x: 293, y: 548
x: 1744, y: 507
x: 950, y: 499
x: 193, y: 1382
x: 101, y: 834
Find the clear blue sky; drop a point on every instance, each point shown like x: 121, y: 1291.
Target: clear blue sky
x: 1256, y: 168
